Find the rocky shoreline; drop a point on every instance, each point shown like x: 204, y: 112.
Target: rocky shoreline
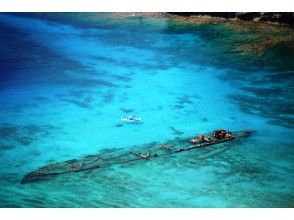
x: 282, y: 18
x: 260, y: 43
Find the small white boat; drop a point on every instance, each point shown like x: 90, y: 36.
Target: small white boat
x: 131, y: 119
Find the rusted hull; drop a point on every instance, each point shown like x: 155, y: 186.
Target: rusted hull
x: 100, y: 161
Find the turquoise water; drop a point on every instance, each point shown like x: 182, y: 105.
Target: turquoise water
x: 64, y: 88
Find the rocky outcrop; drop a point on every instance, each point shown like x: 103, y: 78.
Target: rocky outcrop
x: 285, y: 18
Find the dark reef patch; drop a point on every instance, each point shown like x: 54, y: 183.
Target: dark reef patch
x: 176, y: 131
x: 183, y: 101
x: 151, y: 64
x: 18, y: 108
x: 83, y: 82
x: 108, y: 97
x: 33, y: 129
x: 42, y: 99
x: 78, y: 103
x: 81, y: 93
x: 204, y: 119
x: 178, y: 106
x: 265, y: 94
x: 287, y: 124
x: 12, y: 136
x: 6, y: 147
x: 279, y: 76
x: 128, y: 86
x: 122, y: 78
x: 23, y: 140
x: 277, y: 109
x: 126, y: 110
x: 103, y: 59
x: 81, y: 98
x: 247, y: 170
x: 8, y: 131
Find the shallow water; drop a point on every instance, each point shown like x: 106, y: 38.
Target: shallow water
x: 64, y: 88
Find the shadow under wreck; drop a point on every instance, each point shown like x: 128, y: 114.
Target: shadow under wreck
x: 152, y: 151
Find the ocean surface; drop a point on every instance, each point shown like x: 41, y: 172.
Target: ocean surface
x: 64, y: 88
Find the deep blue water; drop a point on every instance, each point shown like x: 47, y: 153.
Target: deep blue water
x: 64, y: 88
